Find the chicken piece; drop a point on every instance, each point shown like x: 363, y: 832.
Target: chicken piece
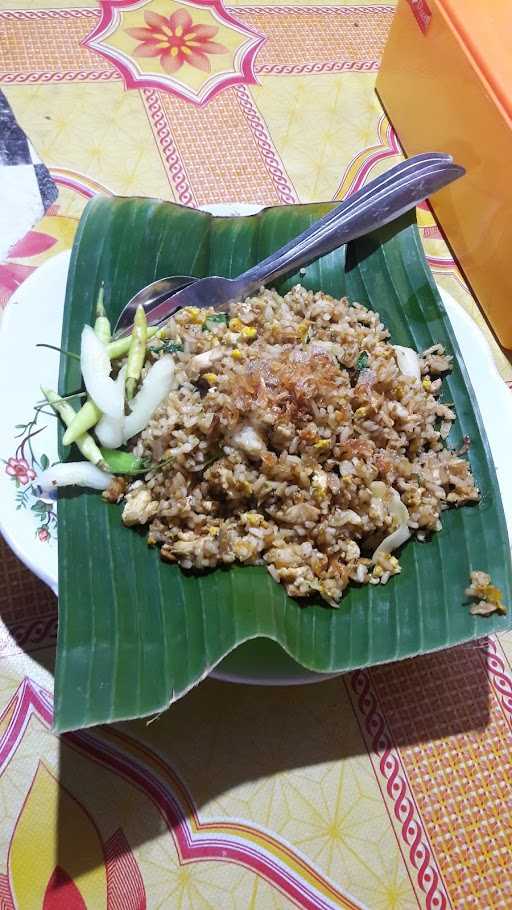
x: 202, y: 361
x: 246, y: 438
x: 300, y: 513
x: 139, y: 507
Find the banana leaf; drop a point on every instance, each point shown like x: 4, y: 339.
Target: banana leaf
x: 136, y: 633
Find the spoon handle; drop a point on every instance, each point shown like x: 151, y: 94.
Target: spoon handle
x: 376, y: 204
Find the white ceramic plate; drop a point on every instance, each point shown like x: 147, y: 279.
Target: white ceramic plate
x: 34, y: 315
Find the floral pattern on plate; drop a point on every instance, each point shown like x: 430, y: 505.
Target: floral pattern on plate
x: 23, y: 468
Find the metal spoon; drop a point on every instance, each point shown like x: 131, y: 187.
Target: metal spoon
x: 376, y: 204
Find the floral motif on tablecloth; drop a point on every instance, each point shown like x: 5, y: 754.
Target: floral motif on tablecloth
x: 170, y: 46
x: 114, y: 879
x: 105, y: 871
x: 176, y: 41
x: 53, y: 234
x: 102, y: 873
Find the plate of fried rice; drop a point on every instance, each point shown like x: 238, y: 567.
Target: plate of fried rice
x: 294, y: 435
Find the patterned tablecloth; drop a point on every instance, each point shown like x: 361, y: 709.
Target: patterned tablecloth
x: 388, y: 789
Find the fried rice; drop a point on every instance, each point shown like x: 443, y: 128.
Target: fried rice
x: 293, y: 439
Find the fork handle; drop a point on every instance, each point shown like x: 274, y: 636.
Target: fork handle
x: 379, y: 202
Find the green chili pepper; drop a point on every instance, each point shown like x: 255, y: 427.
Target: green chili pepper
x: 83, y: 420
x: 102, y: 324
x: 120, y: 346
x: 85, y: 443
x: 136, y: 351
x: 120, y: 462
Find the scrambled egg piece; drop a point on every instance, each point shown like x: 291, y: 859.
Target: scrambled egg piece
x: 488, y: 596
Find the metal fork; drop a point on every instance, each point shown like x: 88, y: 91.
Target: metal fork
x: 376, y: 204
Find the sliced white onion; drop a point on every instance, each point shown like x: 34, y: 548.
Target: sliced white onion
x: 408, y: 361
x: 95, y: 366
x: 392, y: 541
x: 152, y: 392
x: 110, y: 430
x: 73, y: 473
x: 399, y: 513
x: 391, y: 498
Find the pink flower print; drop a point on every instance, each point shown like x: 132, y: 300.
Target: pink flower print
x: 176, y: 41
x: 19, y: 468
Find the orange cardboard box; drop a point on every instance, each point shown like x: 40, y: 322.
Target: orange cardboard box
x: 446, y: 85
